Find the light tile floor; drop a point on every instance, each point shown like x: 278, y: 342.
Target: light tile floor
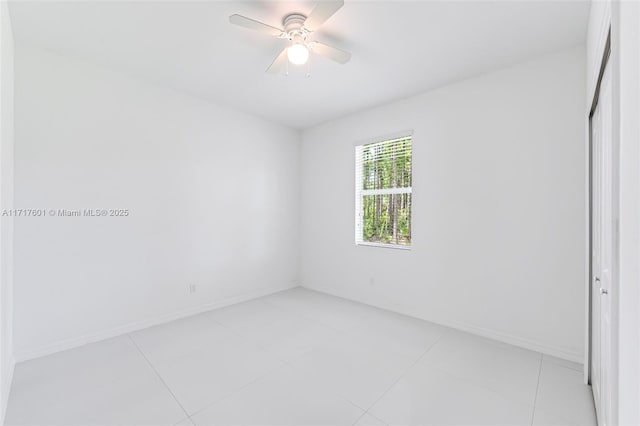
x: 299, y: 358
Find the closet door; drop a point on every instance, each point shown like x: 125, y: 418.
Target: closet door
x: 602, y: 250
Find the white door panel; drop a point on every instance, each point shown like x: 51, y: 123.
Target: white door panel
x: 602, y: 250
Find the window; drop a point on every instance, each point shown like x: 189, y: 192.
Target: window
x: 383, y: 193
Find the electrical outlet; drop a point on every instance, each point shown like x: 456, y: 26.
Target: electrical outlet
x: 192, y: 288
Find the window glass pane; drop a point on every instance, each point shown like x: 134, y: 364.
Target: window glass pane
x: 386, y: 219
x: 383, y: 192
x: 387, y: 164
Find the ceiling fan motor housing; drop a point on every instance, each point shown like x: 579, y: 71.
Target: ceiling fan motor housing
x: 293, y: 24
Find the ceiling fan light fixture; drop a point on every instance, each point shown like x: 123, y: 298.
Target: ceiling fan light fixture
x: 298, y: 54
x: 296, y: 28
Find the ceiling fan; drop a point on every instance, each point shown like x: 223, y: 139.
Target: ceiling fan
x: 297, y: 29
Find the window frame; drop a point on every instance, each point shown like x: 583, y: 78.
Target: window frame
x: 360, y: 193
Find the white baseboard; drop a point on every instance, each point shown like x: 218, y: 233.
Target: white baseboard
x: 139, y: 325
x: 515, y: 341
x: 480, y: 331
x: 6, y: 389
x: 75, y: 342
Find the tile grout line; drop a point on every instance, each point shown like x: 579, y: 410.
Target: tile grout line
x: 535, y: 398
x: 257, y: 347
x: 471, y: 382
x: 285, y: 363
x: 159, y: 376
x: 349, y: 333
x: 250, y: 340
x: 366, y: 413
x: 288, y: 363
x: 489, y: 389
x: 313, y: 320
x: 236, y: 391
x: 400, y: 377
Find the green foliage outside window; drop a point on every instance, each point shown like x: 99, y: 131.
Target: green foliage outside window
x: 386, y: 215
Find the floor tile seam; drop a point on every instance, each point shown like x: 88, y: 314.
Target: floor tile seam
x: 258, y: 347
x: 565, y: 419
x: 190, y: 352
x: 285, y: 363
x: 159, y: 376
x: 322, y: 324
x: 369, y: 414
x: 186, y: 418
x: 287, y: 310
x: 319, y: 385
x: 236, y: 391
x: 403, y: 374
x: 281, y: 310
x: 358, y: 419
x: 354, y: 333
x: 485, y: 388
x: 446, y: 329
x: 242, y: 336
x: 570, y: 420
x: 236, y: 333
x: 535, y: 399
x: 292, y: 312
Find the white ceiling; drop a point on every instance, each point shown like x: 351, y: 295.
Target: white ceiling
x: 399, y: 48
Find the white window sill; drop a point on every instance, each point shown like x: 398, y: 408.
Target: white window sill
x: 389, y: 246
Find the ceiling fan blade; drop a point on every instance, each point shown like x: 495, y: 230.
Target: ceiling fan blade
x: 252, y: 24
x: 321, y: 13
x: 279, y: 64
x: 333, y: 53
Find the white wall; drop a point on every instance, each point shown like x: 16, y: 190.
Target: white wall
x: 498, y: 225
x: 213, y: 196
x: 6, y: 202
